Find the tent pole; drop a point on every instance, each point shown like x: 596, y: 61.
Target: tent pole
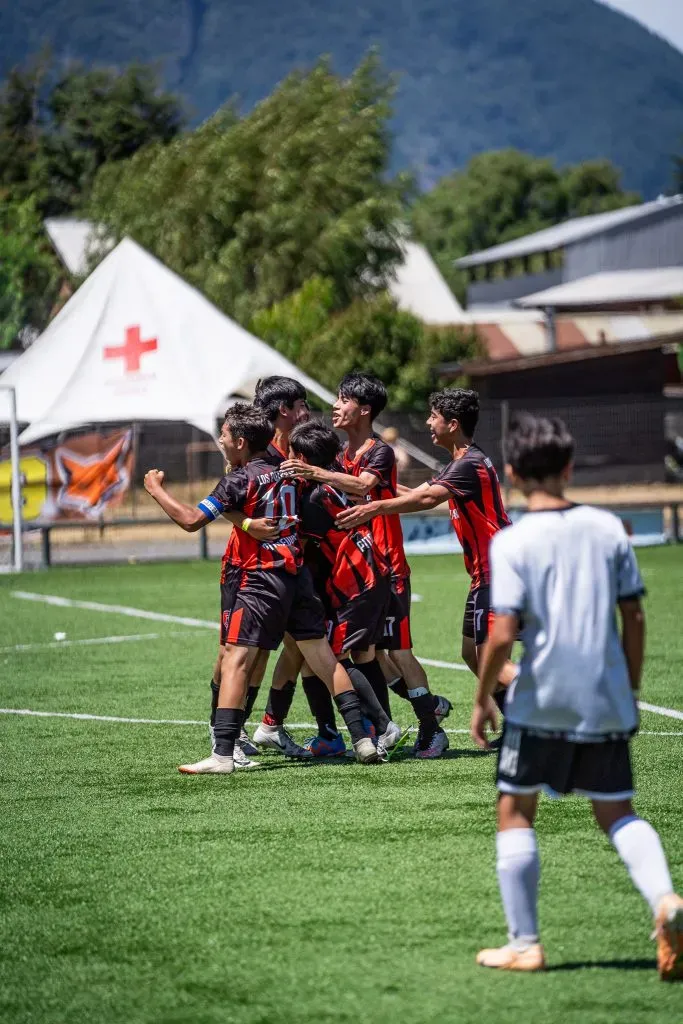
x: 16, y: 483
x: 136, y: 449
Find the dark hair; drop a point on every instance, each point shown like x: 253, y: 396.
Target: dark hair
x: 316, y: 442
x: 272, y: 392
x: 538, y: 448
x: 247, y: 421
x: 366, y: 389
x: 457, y: 404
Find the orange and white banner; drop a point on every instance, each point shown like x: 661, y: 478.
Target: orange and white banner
x: 78, y: 479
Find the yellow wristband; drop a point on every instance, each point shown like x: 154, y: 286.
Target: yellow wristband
x: 246, y: 523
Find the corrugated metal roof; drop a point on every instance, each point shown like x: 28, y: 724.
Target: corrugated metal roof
x: 610, y: 287
x: 568, y: 232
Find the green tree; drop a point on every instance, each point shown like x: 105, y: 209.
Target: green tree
x: 250, y: 209
x: 29, y: 272
x: 505, y: 194
x: 57, y: 131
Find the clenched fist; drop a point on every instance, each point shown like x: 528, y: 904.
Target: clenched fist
x: 154, y: 480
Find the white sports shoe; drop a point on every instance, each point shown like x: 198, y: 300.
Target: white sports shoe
x: 366, y: 751
x: 245, y: 744
x: 242, y: 762
x: 388, y: 739
x: 214, y: 765
x: 276, y: 737
x: 437, y: 745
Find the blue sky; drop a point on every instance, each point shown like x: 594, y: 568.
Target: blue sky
x: 662, y: 16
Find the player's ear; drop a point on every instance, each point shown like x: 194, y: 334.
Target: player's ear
x: 512, y: 476
x: 567, y: 472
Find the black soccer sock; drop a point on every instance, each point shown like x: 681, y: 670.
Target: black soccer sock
x: 226, y: 730
x: 372, y: 670
x: 280, y: 701
x: 372, y: 708
x: 215, y: 690
x: 422, y: 702
x: 399, y: 687
x: 322, y: 708
x: 499, y: 697
x: 352, y: 713
x: 252, y: 694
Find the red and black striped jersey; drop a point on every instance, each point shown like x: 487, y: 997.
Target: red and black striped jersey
x: 477, y: 511
x: 275, y: 454
x: 259, y: 491
x: 348, y: 562
x: 378, y: 458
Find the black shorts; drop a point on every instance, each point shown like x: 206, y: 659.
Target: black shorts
x: 478, y: 616
x: 230, y: 585
x: 529, y: 762
x: 270, y: 603
x: 397, y: 621
x: 359, y: 623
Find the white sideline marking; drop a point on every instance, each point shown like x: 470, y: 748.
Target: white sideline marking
x: 117, y: 609
x: 667, y: 712
x: 456, y: 665
x: 82, y: 717
x: 91, y: 641
x: 141, y: 613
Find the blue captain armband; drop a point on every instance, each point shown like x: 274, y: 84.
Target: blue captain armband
x: 211, y: 508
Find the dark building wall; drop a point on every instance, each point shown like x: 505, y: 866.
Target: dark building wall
x: 656, y: 242
x: 504, y: 290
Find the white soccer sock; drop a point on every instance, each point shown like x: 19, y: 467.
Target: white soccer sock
x: 519, y: 869
x: 640, y: 848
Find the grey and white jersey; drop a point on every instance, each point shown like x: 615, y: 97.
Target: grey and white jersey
x: 563, y: 573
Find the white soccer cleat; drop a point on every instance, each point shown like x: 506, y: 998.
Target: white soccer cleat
x: 276, y: 737
x: 245, y: 744
x: 509, y: 958
x: 669, y: 935
x: 217, y: 764
x: 242, y: 762
x: 366, y: 752
x: 428, y: 749
x: 388, y: 739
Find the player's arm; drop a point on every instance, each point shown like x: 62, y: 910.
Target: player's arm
x: 187, y: 517
x: 417, y: 499
x: 495, y: 655
x: 357, y: 486
x: 633, y: 638
x: 259, y: 529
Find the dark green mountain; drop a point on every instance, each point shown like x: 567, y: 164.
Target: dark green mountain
x: 570, y: 79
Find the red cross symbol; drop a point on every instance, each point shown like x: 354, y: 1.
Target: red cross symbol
x: 132, y: 350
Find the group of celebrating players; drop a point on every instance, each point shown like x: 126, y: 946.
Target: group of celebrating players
x: 315, y: 562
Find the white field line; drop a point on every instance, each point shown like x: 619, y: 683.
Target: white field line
x: 92, y: 641
x: 141, y: 613
x: 82, y: 717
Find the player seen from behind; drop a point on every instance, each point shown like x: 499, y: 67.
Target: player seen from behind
x: 561, y: 572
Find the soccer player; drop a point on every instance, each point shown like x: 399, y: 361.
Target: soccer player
x: 368, y: 470
x: 470, y: 486
x: 561, y: 572
x: 284, y: 402
x: 275, y: 592
x: 351, y: 575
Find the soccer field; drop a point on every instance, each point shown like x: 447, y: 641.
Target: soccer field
x: 296, y: 893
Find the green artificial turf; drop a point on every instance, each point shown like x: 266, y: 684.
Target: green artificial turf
x: 298, y: 893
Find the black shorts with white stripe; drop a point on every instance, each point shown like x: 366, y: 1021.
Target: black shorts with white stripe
x: 529, y: 762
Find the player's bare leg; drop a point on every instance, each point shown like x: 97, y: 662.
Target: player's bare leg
x: 518, y: 869
x: 408, y: 680
x: 256, y: 674
x: 236, y: 664
x: 640, y: 849
x: 319, y: 657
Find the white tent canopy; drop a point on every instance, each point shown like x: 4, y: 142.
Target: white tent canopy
x: 137, y: 343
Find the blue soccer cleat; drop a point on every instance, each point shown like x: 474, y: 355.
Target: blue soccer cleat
x: 321, y: 747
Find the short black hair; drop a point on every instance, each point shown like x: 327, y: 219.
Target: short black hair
x: 457, y: 404
x: 272, y: 392
x: 537, y: 448
x: 366, y: 389
x: 245, y: 420
x: 316, y: 442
